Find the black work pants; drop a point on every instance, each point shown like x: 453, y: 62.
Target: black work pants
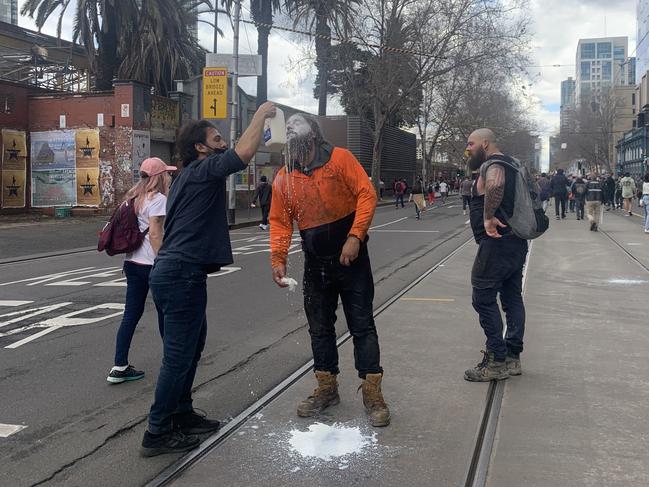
x: 560, y: 202
x: 265, y: 210
x: 324, y: 281
x: 581, y: 203
x: 498, y: 269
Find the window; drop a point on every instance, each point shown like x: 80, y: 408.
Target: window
x: 585, y: 69
x: 633, y: 99
x: 618, y: 53
x: 588, y: 51
x: 604, y: 50
x: 606, y: 70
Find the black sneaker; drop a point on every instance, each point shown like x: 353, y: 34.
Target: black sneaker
x: 172, y: 442
x: 119, y: 376
x: 194, y: 423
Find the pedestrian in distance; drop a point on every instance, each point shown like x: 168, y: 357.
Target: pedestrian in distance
x: 594, y: 200
x: 544, y: 185
x: 381, y: 189
x: 498, y: 265
x: 196, y: 243
x: 149, y: 196
x: 465, y: 192
x: 417, y: 196
x: 559, y: 188
x: 609, y: 191
x: 330, y: 198
x: 263, y: 194
x: 443, y: 191
x: 645, y: 201
x: 430, y: 192
x: 579, y: 189
x: 399, y: 191
x: 627, y: 184
x: 572, y: 204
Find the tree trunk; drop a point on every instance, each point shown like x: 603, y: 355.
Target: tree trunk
x: 322, y: 48
x: 377, y: 149
x: 263, y: 33
x: 106, y: 59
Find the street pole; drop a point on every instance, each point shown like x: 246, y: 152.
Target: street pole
x: 234, y: 113
x: 216, y: 25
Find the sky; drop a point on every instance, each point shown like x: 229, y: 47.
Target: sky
x: 557, y: 27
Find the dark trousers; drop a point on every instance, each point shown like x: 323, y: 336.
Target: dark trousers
x: 399, y: 198
x: 498, y: 269
x: 571, y: 205
x: 137, y: 288
x: 324, y: 281
x: 466, y: 201
x: 560, y: 202
x: 581, y: 203
x: 179, y: 289
x: 265, y: 210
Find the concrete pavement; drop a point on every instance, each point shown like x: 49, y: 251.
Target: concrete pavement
x: 574, y: 418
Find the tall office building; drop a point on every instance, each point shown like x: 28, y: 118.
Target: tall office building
x: 9, y: 11
x: 567, y: 109
x: 642, y: 39
x: 601, y: 64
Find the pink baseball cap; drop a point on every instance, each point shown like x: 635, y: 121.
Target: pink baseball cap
x: 154, y: 166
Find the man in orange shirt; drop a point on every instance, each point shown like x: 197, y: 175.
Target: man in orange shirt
x: 328, y: 193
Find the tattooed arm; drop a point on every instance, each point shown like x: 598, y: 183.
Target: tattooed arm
x: 494, y: 192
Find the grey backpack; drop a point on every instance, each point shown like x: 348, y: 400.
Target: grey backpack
x: 528, y: 220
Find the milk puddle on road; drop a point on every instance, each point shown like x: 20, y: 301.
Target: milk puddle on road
x: 330, y: 442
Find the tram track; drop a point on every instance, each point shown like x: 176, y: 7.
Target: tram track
x: 175, y: 470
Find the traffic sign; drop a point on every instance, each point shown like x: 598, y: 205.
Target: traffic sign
x: 249, y: 64
x: 215, y: 92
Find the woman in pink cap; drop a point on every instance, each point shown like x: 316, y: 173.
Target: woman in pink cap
x: 149, y: 196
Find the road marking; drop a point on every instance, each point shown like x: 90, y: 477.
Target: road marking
x: 4, y: 302
x: 7, y: 430
x: 32, y: 312
x: 405, y: 231
x: 225, y: 271
x: 435, y: 300
x: 467, y: 222
x: 389, y: 223
x: 50, y: 277
x: 104, y: 272
x: 633, y: 243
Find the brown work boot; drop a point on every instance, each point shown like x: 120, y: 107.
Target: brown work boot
x: 324, y: 396
x: 487, y: 370
x: 377, y: 410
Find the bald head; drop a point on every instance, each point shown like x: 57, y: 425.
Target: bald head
x: 483, y: 135
x: 481, y: 145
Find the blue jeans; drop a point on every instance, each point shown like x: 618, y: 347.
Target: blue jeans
x: 645, y: 200
x: 399, y: 198
x: 498, y: 269
x: 137, y: 288
x: 180, y: 291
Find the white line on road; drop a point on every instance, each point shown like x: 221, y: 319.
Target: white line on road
x: 406, y: 231
x: 9, y: 429
x: 467, y: 222
x: 4, y: 302
x: 389, y: 223
x: 30, y: 313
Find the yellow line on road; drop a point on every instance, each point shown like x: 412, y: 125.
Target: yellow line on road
x: 436, y: 300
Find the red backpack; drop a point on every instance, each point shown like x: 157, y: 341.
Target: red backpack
x: 122, y: 234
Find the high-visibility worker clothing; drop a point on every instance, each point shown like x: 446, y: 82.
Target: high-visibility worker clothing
x: 329, y: 204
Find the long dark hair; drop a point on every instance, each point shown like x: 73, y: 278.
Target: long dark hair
x: 191, y: 133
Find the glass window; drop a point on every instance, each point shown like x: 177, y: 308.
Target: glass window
x: 585, y: 69
x: 606, y: 70
x: 618, y: 52
x: 604, y: 50
x: 588, y: 51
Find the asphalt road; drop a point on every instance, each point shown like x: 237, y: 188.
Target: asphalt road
x: 58, y: 319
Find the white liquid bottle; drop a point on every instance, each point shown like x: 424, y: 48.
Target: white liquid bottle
x: 275, y: 131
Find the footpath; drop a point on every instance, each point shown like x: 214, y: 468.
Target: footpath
x: 576, y: 417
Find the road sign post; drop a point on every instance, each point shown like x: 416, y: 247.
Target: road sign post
x: 215, y: 93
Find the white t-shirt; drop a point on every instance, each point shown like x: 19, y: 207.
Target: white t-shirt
x: 155, y: 205
x: 645, y: 189
x: 443, y: 187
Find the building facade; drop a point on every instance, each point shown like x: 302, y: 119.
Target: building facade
x: 601, y: 63
x: 568, y: 108
x: 9, y: 11
x: 642, y: 39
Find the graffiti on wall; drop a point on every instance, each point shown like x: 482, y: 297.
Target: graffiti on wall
x: 106, y: 186
x: 164, y: 118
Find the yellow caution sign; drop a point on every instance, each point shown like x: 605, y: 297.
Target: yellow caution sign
x: 215, y: 92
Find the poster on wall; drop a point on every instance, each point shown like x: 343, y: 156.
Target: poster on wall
x: 141, y: 151
x: 14, y: 168
x: 87, y: 142
x: 55, y: 187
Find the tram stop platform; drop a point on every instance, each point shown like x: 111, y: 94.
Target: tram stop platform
x: 576, y: 417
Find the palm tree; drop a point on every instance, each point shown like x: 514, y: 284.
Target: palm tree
x: 145, y: 40
x: 262, y: 14
x: 325, y: 14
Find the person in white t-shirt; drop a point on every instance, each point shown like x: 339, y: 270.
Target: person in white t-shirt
x: 645, y: 202
x: 150, y: 198
x: 443, y: 190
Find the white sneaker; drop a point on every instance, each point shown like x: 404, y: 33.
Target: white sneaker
x: 464, y: 212
x: 646, y: 230
x: 264, y: 227
x: 261, y: 227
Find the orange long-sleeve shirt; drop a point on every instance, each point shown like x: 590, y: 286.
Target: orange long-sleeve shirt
x: 336, y: 197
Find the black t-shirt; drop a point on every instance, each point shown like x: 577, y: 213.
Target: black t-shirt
x: 196, y: 225
x: 504, y: 211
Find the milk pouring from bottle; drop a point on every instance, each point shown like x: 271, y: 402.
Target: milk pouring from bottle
x: 275, y: 131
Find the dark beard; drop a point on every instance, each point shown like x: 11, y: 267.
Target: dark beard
x: 476, y: 160
x: 299, y: 148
